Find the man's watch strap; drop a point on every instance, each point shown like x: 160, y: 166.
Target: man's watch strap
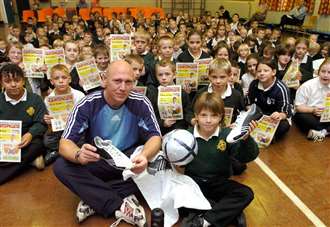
x: 76, y: 156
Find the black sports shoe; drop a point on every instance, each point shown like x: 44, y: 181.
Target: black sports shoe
x: 193, y: 220
x: 50, y: 157
x: 242, y: 123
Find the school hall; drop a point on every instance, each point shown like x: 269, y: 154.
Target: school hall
x: 289, y: 178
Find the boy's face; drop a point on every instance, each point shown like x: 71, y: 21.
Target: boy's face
x: 137, y: 69
x: 102, y: 61
x: 16, y: 32
x: 15, y: 55
x: 261, y: 34
x: 165, y: 75
x: 244, y: 51
x: 223, y: 54
x: 219, y: 79
x: 208, y: 121
x: 324, y: 74
x: 140, y: 44
x: 301, y: 50
x: 166, y: 49
x: 14, y: 86
x: 284, y: 59
x: 234, y: 75
x: 71, y: 51
x: 60, y: 81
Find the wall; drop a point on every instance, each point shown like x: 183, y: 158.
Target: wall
x: 246, y: 8
x: 110, y: 3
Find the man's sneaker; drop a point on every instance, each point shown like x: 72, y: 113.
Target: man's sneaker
x: 50, y: 157
x: 317, y: 136
x: 193, y: 220
x: 242, y: 122
x: 83, y: 211
x: 39, y: 163
x: 131, y: 212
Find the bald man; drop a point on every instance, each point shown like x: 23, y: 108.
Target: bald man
x: 117, y: 114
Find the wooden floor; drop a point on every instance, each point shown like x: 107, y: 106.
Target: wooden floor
x: 38, y: 199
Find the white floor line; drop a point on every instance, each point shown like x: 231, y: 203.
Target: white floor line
x: 287, y: 191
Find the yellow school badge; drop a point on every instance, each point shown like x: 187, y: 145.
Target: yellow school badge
x: 30, y: 111
x: 222, y: 145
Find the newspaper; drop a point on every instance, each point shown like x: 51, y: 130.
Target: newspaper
x: 33, y: 60
x: 163, y: 187
x: 88, y: 74
x: 325, y: 116
x: 59, y: 107
x: 263, y: 134
x: 290, y: 77
x: 10, y: 137
x: 203, y: 70
x: 53, y: 57
x: 120, y: 45
x: 228, y: 116
x: 187, y: 75
x: 170, y: 102
x: 140, y: 89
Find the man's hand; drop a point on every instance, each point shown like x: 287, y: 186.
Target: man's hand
x: 88, y: 154
x: 140, y: 163
x: 26, y: 140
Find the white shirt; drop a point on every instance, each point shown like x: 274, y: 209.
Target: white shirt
x: 198, y: 135
x: 312, y: 93
x: 226, y: 94
x: 247, y: 78
x: 14, y: 101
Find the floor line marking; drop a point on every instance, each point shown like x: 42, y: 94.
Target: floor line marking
x: 289, y: 193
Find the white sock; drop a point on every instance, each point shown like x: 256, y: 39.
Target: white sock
x: 325, y: 132
x: 206, y: 223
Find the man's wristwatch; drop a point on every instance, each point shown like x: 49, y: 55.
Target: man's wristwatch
x: 76, y: 156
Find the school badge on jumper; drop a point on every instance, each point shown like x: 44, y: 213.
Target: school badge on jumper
x: 222, y: 145
x: 30, y: 111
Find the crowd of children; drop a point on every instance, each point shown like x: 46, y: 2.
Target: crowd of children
x: 248, y: 66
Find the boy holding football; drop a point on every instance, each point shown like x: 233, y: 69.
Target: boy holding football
x: 211, y: 168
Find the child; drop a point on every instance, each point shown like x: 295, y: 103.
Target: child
x: 71, y: 52
x: 60, y: 78
x: 310, y: 104
x: 243, y: 52
x: 272, y: 96
x: 283, y: 60
x: 165, y: 72
x: 3, y: 47
x: 86, y: 53
x: 194, y: 51
x: 211, y: 168
x: 221, y: 51
x: 221, y: 35
x: 268, y: 52
x: 102, y: 58
x: 20, y: 105
x: 251, y: 65
x: 137, y: 64
x: 260, y: 38
x: 219, y: 73
x: 234, y: 77
x: 165, y: 48
x: 141, y: 43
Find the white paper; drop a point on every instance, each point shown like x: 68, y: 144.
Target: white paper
x: 174, y: 190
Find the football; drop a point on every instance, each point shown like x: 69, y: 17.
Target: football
x: 180, y: 147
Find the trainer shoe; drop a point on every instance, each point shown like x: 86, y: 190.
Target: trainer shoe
x: 39, y: 163
x: 317, y: 136
x: 131, y: 212
x: 242, y: 122
x: 83, y: 211
x: 193, y: 220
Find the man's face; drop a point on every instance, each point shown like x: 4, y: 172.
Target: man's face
x: 118, y: 83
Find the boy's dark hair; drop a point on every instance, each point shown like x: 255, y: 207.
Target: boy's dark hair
x: 134, y: 58
x: 283, y: 50
x: 11, y: 70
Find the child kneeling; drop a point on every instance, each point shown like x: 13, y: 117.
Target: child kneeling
x: 211, y: 168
